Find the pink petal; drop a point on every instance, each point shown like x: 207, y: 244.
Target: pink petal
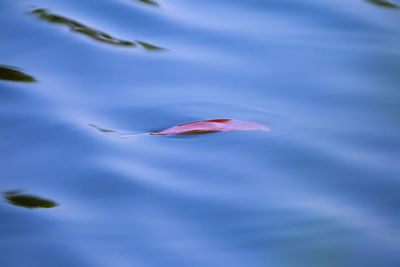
x: 219, y: 125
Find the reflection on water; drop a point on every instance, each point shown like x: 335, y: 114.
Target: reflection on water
x: 122, y: 134
x: 101, y: 129
x: 81, y: 28
x: 12, y: 74
x: 27, y: 201
x: 383, y: 3
x: 92, y: 33
x: 150, y: 2
x: 151, y: 47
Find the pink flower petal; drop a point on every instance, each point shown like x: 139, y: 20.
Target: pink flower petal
x: 219, y: 125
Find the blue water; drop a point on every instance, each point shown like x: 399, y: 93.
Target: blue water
x: 320, y: 190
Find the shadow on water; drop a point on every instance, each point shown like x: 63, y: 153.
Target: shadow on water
x: 149, y: 2
x: 27, y: 201
x: 383, y: 3
x: 92, y: 33
x: 12, y: 74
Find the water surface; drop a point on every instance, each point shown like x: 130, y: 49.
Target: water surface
x: 320, y: 189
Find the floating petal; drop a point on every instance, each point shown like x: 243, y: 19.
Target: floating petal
x: 219, y: 125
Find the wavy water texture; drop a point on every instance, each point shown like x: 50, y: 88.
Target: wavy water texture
x: 320, y: 189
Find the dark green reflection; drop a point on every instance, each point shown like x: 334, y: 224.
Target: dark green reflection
x: 93, y: 33
x: 9, y: 73
x: 27, y: 201
x: 383, y: 3
x: 150, y: 47
x: 149, y: 2
x: 81, y: 28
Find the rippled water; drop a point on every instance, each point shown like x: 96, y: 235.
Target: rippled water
x: 320, y: 189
